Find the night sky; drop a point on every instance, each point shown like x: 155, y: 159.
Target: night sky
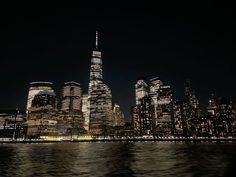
x: 172, y: 44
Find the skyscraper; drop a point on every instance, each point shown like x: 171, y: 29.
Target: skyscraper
x: 71, y: 115
x: 155, y: 84
x: 99, y: 95
x: 135, y: 116
x: 71, y: 97
x: 44, y: 99
x: 118, y: 116
x: 141, y: 90
x: 225, y: 118
x: 191, y: 110
x: 164, y: 121
x: 85, y: 110
x: 190, y: 95
x: 146, y: 116
x: 35, y: 88
x: 212, y: 106
x: 179, y: 124
x: 41, y: 110
x: 152, y: 114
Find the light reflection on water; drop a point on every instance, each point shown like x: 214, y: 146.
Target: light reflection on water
x: 118, y: 159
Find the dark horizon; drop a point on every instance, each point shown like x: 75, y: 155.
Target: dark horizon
x: 172, y: 44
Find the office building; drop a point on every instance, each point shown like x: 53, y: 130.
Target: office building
x: 99, y: 96
x: 35, y: 88
x: 141, y: 90
x: 71, y: 98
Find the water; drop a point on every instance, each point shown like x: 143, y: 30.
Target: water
x: 118, y: 159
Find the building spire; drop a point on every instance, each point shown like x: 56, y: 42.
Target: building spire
x: 96, y: 39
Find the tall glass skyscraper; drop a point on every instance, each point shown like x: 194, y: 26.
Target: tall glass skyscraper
x: 99, y: 96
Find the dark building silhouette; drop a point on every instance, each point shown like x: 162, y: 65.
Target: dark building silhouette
x: 191, y: 110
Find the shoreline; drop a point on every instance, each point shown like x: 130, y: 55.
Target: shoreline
x: 120, y: 140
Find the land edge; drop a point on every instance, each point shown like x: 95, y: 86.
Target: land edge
x: 120, y: 140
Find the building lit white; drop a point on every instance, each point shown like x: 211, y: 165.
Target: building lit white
x: 35, y: 88
x: 99, y: 95
x: 85, y: 110
x: 141, y: 90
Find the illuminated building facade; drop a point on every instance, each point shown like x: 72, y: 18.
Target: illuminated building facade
x: 118, y: 116
x: 99, y: 95
x: 152, y: 114
x: 35, y: 88
x: 135, y: 119
x: 191, y: 110
x: 42, y: 115
x: 155, y: 84
x: 41, y: 110
x: 146, y: 116
x: 85, y: 110
x: 138, y: 111
x: 44, y: 99
x: 71, y: 116
x: 206, y: 124
x: 71, y: 97
x: 219, y: 121
x: 212, y: 106
x: 12, y: 124
x: 225, y: 124
x: 179, y: 124
x: 164, y: 123
x: 141, y: 90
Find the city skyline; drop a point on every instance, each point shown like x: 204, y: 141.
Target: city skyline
x: 168, y: 52
x: 117, y: 89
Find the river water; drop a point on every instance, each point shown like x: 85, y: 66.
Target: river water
x: 119, y: 159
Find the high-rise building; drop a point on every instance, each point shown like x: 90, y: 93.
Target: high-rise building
x: 155, y: 84
x: 219, y: 121
x: 71, y: 98
x: 135, y: 119
x: 153, y: 112
x: 142, y: 117
x: 190, y: 95
x: 35, y: 88
x: 99, y: 95
x: 71, y: 115
x: 191, y: 110
x: 85, y: 110
x: 205, y: 126
x: 212, y: 106
x: 164, y: 122
x: 146, y: 116
x: 119, y: 119
x: 225, y: 118
x: 139, y: 117
x: 44, y: 99
x: 141, y: 90
x: 42, y: 111
x: 178, y: 118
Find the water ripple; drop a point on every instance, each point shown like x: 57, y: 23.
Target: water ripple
x: 139, y: 159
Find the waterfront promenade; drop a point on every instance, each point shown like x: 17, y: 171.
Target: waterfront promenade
x: 120, y: 139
